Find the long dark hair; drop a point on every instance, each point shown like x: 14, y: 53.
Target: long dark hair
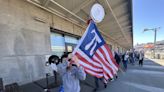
x: 53, y: 58
x: 65, y: 55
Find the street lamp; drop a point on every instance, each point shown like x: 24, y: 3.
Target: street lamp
x: 155, y: 34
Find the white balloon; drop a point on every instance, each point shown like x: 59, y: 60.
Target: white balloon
x: 97, y: 13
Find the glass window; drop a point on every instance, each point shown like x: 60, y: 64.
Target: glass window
x: 70, y: 43
x: 72, y: 40
x: 57, y: 44
x: 69, y: 48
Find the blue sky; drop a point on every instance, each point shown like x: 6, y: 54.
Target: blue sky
x: 147, y: 14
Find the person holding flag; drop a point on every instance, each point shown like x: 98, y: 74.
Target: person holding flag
x: 71, y: 73
x: 91, y: 54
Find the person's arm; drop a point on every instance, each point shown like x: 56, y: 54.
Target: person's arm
x: 80, y: 73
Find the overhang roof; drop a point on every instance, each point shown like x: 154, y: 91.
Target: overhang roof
x: 117, y: 24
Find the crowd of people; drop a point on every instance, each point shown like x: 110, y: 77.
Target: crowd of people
x: 71, y: 71
x: 130, y: 56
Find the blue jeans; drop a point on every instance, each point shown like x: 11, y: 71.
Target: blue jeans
x: 125, y: 64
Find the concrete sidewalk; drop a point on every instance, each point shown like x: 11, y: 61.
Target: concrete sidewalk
x: 38, y: 86
x: 148, y: 78
x: 158, y: 61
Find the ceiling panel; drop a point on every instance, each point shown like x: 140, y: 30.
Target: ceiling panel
x: 110, y: 26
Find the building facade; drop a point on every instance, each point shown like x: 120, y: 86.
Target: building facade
x: 28, y: 34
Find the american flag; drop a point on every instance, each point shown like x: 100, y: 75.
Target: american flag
x: 95, y: 55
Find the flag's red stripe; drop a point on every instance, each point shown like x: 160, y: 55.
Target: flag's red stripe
x: 111, y: 55
x: 96, y: 54
x: 81, y: 53
x: 91, y: 69
x: 84, y: 60
x: 96, y: 74
x: 108, y: 67
x: 106, y: 61
x: 104, y: 72
x: 106, y: 78
x: 86, y: 68
x: 109, y: 59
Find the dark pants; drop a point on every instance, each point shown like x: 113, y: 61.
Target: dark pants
x: 131, y: 60
x: 125, y: 64
x: 55, y: 76
x: 97, y: 81
x: 141, y: 62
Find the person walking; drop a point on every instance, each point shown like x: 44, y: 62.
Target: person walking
x: 131, y: 59
x: 117, y: 58
x: 126, y: 56
x: 71, y: 73
x: 97, y: 83
x: 141, y: 58
x: 53, y: 61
